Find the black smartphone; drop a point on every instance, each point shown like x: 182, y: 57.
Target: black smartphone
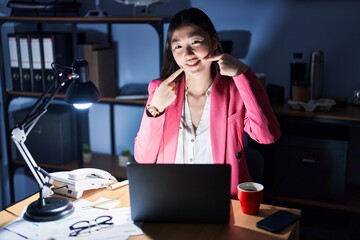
x: 277, y: 221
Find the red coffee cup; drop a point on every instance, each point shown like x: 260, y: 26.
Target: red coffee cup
x: 250, y: 195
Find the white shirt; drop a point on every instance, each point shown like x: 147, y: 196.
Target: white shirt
x: 194, y: 147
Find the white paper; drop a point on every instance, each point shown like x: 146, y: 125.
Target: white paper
x: 122, y: 228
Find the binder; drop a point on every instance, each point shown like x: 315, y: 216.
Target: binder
x: 14, y: 62
x: 25, y: 71
x: 101, y: 59
x: 47, y: 60
x: 56, y: 47
x: 35, y: 63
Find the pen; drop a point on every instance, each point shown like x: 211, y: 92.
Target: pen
x: 16, y: 233
x: 100, y: 203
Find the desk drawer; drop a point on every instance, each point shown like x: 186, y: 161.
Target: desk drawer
x: 308, y: 168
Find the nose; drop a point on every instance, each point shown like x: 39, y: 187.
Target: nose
x: 189, y: 50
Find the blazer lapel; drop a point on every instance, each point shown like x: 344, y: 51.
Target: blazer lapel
x: 218, y: 119
x: 172, y: 123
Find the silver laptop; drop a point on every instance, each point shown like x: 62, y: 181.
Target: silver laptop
x: 179, y: 193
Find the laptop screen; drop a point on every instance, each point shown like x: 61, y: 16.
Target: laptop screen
x: 179, y: 193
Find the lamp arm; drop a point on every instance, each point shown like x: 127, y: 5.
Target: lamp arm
x: 44, y: 180
x: 40, y: 107
x: 22, y: 130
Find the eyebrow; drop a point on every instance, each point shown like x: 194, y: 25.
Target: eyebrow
x: 192, y: 34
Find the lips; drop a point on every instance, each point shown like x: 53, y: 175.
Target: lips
x: 192, y: 62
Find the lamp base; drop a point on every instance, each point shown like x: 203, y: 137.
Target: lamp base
x: 54, y: 208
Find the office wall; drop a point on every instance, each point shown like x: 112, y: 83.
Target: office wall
x: 276, y: 28
x: 279, y: 28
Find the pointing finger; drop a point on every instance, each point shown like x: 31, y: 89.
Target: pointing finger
x: 173, y: 76
x: 213, y: 58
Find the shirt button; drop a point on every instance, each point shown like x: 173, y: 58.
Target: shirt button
x: 191, y: 160
x: 192, y: 140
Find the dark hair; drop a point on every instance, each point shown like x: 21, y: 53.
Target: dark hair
x: 190, y: 16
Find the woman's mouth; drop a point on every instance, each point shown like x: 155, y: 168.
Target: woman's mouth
x: 192, y: 62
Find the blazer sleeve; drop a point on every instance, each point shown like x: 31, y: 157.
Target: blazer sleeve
x: 260, y: 121
x: 149, y: 137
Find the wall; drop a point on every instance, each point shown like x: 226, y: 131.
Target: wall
x: 277, y: 28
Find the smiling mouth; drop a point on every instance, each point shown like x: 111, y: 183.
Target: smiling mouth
x: 192, y: 62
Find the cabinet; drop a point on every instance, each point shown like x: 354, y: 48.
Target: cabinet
x: 106, y: 162
x: 314, y: 161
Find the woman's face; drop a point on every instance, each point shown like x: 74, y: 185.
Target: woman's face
x: 189, y: 46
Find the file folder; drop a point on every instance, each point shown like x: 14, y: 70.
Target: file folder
x: 48, y: 58
x: 36, y: 66
x: 14, y: 62
x: 57, y: 48
x: 25, y: 71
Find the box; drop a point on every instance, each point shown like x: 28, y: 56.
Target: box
x: 53, y: 139
x: 310, y: 168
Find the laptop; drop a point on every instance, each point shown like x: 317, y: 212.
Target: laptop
x: 179, y: 193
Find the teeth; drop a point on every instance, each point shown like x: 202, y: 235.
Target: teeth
x: 192, y: 62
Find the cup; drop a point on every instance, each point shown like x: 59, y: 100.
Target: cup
x: 250, y: 195
x: 300, y: 91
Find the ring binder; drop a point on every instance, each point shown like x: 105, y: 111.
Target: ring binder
x: 36, y: 66
x: 57, y: 47
x: 25, y: 71
x: 14, y: 62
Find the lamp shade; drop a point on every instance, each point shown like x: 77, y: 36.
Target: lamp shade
x: 81, y: 90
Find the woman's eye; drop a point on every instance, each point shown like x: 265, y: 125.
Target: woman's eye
x: 176, y: 47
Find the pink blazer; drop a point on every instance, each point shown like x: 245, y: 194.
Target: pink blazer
x: 237, y: 105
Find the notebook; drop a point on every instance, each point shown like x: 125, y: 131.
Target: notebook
x: 179, y: 193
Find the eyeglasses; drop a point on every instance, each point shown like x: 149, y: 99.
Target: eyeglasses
x: 83, y: 228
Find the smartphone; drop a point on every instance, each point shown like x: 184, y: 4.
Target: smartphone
x: 277, y: 221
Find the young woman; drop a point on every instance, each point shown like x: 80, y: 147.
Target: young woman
x: 198, y: 110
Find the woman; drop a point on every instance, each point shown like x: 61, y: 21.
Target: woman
x: 198, y: 110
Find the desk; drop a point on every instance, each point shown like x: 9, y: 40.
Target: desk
x: 331, y: 139
x: 241, y: 226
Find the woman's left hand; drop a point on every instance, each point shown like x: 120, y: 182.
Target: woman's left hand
x: 228, y: 64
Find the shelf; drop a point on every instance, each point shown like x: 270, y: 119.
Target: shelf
x: 156, y: 22
x: 142, y: 102
x: 102, y: 20
x: 106, y: 162
x: 338, y: 114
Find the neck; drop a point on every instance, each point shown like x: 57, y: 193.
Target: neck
x: 198, y: 86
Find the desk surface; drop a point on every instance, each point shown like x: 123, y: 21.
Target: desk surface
x: 241, y: 226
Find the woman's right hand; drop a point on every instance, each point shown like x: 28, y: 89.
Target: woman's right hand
x: 165, y: 93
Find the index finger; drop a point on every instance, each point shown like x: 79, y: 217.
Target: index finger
x: 174, y: 75
x: 213, y: 58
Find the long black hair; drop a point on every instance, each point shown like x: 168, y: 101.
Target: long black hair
x: 190, y: 16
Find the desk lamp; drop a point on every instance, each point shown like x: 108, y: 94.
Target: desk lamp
x: 81, y: 93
